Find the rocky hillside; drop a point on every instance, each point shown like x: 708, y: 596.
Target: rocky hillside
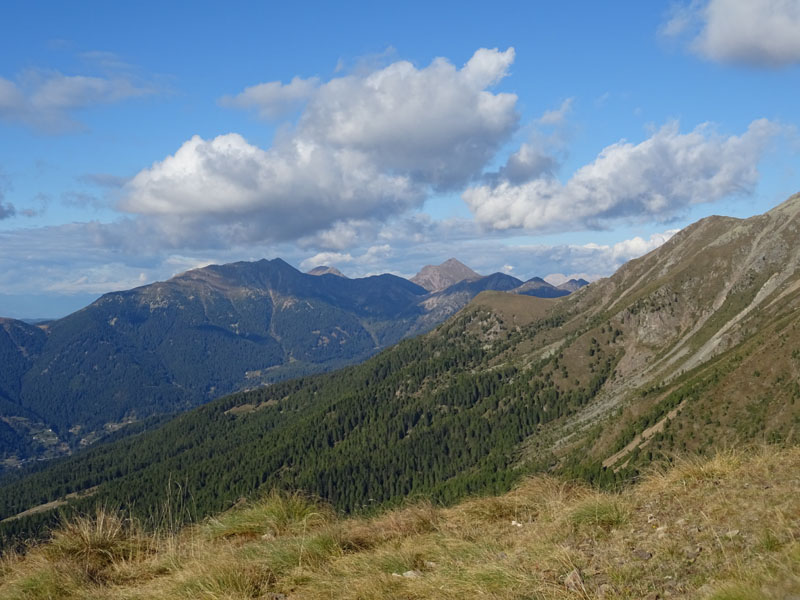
x: 710, y: 324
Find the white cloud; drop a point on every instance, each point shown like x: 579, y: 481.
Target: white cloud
x: 247, y: 194
x: 751, y: 32
x: 366, y: 147
x: 529, y: 162
x: 558, y: 115
x: 47, y: 100
x: 653, y: 180
x: 327, y: 259
x: 341, y: 235
x: 625, y: 250
x: 438, y: 124
x: 273, y: 99
x: 364, y: 261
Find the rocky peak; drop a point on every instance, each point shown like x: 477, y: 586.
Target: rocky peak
x: 438, y: 277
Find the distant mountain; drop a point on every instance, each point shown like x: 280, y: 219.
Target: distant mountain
x: 445, y: 303
x: 540, y: 288
x: 172, y: 345
x: 325, y: 270
x: 435, y: 278
x: 573, y: 285
x: 543, y: 289
x: 690, y: 348
x: 20, y: 428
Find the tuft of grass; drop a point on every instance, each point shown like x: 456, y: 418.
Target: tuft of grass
x: 598, y: 512
x: 97, y: 545
x: 694, y: 468
x: 286, y: 554
x: 500, y: 509
x: 45, y: 583
x: 277, y: 513
x: 769, y: 541
x: 414, y: 520
x: 227, y: 579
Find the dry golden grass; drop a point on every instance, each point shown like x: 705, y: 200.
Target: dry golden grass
x: 725, y: 528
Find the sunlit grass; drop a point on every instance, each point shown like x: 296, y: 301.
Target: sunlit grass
x: 723, y: 528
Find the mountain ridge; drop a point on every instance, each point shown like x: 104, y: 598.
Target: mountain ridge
x: 694, y: 345
x: 171, y: 345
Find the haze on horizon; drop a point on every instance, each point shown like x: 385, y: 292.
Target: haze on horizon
x: 140, y: 141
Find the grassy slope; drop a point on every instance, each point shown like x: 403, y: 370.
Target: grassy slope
x: 723, y: 528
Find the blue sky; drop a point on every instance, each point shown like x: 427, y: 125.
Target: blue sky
x: 138, y: 141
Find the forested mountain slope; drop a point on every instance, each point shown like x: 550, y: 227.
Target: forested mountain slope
x: 173, y: 345
x: 695, y: 345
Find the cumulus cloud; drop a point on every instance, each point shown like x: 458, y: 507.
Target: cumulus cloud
x: 621, y: 252
x: 273, y: 99
x: 363, y: 260
x: 529, y: 162
x: 326, y: 259
x: 366, y: 146
x: 751, y: 32
x: 438, y: 124
x: 558, y: 115
x: 589, y: 261
x: 274, y: 194
x: 654, y: 180
x: 341, y: 235
x: 47, y: 100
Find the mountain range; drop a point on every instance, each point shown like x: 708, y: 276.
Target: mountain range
x: 169, y: 346
x: 691, y: 347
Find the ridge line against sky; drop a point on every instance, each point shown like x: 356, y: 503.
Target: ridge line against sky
x: 139, y: 142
